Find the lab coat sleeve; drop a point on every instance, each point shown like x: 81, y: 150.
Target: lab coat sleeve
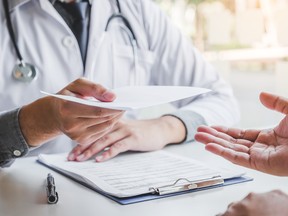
x: 179, y: 63
x: 190, y: 120
x: 12, y: 142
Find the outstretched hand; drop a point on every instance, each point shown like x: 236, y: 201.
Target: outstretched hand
x: 263, y: 150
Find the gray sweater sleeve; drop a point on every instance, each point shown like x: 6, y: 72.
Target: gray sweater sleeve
x: 12, y: 142
x: 191, y: 121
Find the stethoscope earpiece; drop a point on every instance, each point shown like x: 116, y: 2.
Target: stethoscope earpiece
x: 24, y: 72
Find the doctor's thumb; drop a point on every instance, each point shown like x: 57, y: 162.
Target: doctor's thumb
x: 86, y: 88
x: 108, y: 96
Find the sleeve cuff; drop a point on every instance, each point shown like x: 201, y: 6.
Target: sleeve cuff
x: 191, y: 121
x: 12, y: 142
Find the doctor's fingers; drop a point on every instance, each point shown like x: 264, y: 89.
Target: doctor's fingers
x: 115, y: 149
x: 81, y: 124
x: 109, y: 139
x: 71, y: 109
x: 250, y: 135
x: 88, y: 135
x: 83, y: 87
x: 78, y: 150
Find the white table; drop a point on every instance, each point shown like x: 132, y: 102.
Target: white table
x: 22, y: 192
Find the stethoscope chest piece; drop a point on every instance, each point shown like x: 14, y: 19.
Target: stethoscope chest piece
x: 24, y: 72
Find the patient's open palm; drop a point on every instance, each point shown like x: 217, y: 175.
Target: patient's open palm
x: 263, y: 150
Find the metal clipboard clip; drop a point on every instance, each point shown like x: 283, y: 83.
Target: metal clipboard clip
x: 183, y: 184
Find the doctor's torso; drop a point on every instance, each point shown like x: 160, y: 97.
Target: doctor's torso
x: 45, y: 40
x: 164, y: 57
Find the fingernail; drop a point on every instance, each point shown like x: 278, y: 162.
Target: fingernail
x: 109, y: 95
x: 99, y: 158
x: 71, y: 157
x: 80, y: 157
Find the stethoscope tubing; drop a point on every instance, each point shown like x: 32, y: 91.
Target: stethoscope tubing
x: 19, y: 71
x: 11, y: 31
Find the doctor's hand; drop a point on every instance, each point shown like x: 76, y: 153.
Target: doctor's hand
x: 262, y: 150
x: 134, y: 135
x: 49, y: 116
x: 273, y: 203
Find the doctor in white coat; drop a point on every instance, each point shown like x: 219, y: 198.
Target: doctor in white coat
x: 146, y: 50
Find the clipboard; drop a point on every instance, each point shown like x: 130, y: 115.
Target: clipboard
x: 179, y: 187
x: 148, y: 197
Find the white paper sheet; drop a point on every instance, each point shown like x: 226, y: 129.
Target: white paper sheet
x: 133, y: 174
x: 136, y: 97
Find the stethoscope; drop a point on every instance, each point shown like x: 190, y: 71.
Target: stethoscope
x: 26, y: 72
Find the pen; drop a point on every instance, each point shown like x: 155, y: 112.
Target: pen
x: 52, y: 195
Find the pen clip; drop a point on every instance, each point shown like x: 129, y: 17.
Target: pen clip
x: 177, y: 186
x: 52, y: 195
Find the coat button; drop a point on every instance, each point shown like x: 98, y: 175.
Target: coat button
x: 68, y: 41
x: 17, y: 153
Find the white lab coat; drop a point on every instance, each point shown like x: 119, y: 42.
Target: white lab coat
x: 165, y: 58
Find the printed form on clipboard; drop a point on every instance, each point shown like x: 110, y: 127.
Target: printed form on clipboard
x: 128, y: 175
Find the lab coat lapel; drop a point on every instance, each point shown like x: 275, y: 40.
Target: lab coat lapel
x: 16, y: 3
x: 49, y: 9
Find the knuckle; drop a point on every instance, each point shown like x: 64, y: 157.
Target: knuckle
x: 137, y: 137
x: 78, y: 149
x: 129, y: 130
x: 97, y: 137
x: 109, y: 124
x: 250, y: 195
x: 278, y: 192
x: 235, y: 158
x: 98, y: 89
x: 104, y: 139
x: 232, y: 140
x: 114, y: 150
x: 242, y: 133
x: 89, y: 153
x: 64, y: 111
x: 116, y: 118
x: 78, y: 81
x: 73, y: 137
x: 109, y: 153
x: 84, y: 141
x: 63, y: 108
x: 285, y: 109
x: 75, y: 83
x: 68, y: 127
x: 119, y: 146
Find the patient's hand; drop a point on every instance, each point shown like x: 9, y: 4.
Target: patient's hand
x: 263, y: 150
x: 273, y: 203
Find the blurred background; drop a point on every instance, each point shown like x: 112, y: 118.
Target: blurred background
x: 247, y: 41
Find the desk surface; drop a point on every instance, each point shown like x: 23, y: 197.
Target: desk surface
x: 22, y: 192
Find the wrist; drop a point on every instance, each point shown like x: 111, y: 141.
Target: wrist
x: 36, y: 122
x: 174, y: 128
